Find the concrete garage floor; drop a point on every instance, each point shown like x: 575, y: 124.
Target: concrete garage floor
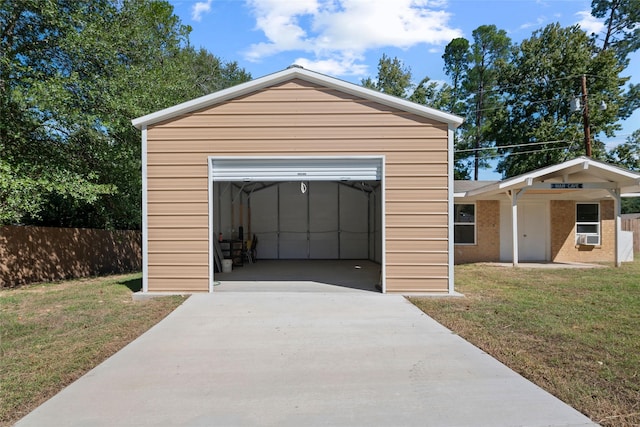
x: 301, y: 276
x: 301, y: 359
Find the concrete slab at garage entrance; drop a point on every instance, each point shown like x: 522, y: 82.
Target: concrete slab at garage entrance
x: 291, y: 359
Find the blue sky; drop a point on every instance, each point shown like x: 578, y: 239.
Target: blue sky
x: 346, y: 38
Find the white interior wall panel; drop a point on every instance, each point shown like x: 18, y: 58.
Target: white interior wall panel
x: 264, y: 221
x: 222, y: 207
x: 323, y: 220
x: 328, y: 221
x: 354, y: 238
x: 293, y: 221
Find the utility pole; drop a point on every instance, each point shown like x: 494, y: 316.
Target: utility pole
x: 585, y: 117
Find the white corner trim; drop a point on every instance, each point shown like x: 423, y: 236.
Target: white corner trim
x: 210, y: 223
x: 211, y: 176
x: 383, y: 224
x: 450, y: 208
x: 145, y: 219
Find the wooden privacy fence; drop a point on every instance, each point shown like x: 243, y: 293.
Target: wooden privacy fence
x: 38, y: 254
x: 633, y: 224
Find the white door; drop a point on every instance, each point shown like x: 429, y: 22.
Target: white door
x: 533, y: 230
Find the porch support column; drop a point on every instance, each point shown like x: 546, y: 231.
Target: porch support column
x: 514, y: 195
x: 618, y: 212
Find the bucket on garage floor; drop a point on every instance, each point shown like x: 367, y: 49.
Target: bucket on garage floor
x: 227, y: 265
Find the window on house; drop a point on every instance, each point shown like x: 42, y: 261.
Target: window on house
x: 464, y: 224
x: 588, y: 223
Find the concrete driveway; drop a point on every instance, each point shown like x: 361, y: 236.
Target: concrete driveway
x: 301, y: 359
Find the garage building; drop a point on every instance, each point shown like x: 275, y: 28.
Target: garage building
x: 308, y: 166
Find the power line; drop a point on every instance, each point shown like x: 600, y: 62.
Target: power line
x: 517, y: 153
x: 527, y: 144
x: 504, y: 88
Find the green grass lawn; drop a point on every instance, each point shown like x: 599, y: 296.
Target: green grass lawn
x: 575, y: 333
x: 51, y: 334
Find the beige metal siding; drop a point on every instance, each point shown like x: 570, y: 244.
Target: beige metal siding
x: 298, y: 118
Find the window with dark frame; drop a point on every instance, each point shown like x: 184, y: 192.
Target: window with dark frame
x: 587, y: 223
x: 464, y: 224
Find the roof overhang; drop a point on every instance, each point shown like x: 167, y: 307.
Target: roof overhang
x: 584, y: 175
x: 295, y: 72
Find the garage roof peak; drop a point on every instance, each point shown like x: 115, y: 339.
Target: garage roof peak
x: 295, y: 71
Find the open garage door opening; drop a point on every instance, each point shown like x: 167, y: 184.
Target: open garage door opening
x: 296, y: 222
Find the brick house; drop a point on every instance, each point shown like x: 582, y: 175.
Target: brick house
x: 568, y: 212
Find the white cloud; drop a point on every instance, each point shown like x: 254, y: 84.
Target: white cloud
x: 279, y: 21
x: 538, y: 23
x: 588, y: 23
x: 337, y: 32
x: 335, y: 66
x: 199, y: 9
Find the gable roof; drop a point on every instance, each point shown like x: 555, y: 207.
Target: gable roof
x: 462, y: 186
x: 295, y: 72
x: 628, y: 181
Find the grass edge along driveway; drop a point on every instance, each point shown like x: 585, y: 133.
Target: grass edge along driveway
x: 53, y: 333
x: 575, y: 333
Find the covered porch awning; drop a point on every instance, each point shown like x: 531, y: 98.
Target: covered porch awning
x: 581, y: 178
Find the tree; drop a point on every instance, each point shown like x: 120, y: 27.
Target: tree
x: 627, y: 154
x: 74, y: 75
x: 622, y: 36
x: 32, y: 167
x: 431, y: 93
x: 393, y: 78
x: 536, y: 127
x: 622, y: 25
x: 630, y: 205
x: 473, y: 69
x: 488, y: 52
x: 456, y: 65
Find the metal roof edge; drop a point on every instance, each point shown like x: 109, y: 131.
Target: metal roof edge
x: 288, y: 74
x: 510, y: 182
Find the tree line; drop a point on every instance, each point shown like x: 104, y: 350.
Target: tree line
x: 516, y: 97
x: 73, y: 73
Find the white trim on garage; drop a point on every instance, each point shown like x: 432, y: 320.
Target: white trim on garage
x: 383, y: 231
x: 210, y: 224
x: 145, y: 217
x: 294, y: 169
x: 272, y: 169
x: 450, y: 208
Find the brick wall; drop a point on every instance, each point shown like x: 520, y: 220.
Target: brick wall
x: 487, y: 247
x: 563, y: 222
x: 39, y: 254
